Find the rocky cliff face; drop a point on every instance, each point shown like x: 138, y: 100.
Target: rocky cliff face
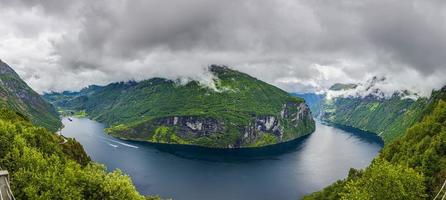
x: 195, y: 126
x: 293, y: 121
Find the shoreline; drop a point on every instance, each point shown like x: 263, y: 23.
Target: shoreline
x: 271, y: 149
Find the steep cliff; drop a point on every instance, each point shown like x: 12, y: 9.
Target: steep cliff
x: 314, y: 101
x: 15, y: 94
x: 238, y: 111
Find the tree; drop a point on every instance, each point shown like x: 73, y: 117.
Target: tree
x: 41, y: 167
x: 383, y: 180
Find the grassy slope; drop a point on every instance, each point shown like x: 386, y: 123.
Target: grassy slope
x: 127, y: 105
x: 421, y: 149
x: 17, y: 95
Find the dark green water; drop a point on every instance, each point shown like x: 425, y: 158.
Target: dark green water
x: 287, y: 172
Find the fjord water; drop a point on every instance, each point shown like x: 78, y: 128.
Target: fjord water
x: 313, y: 162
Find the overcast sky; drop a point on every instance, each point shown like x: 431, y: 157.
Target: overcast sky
x: 297, y: 45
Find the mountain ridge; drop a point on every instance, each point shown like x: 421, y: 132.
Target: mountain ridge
x: 18, y: 96
x: 241, y: 111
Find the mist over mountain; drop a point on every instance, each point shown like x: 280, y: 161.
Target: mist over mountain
x: 377, y: 87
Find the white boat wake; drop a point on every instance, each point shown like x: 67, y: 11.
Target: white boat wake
x: 121, y: 143
x: 113, y: 145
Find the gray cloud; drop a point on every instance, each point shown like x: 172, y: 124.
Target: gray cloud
x: 412, y: 33
x: 303, y: 45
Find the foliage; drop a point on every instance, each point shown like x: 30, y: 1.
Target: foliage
x: 423, y: 148
x: 167, y: 135
x: 75, y: 151
x: 331, y: 192
x: 43, y: 167
x: 383, y: 180
x: 264, y: 140
x: 117, y: 128
x: 334, y: 191
x: 80, y: 114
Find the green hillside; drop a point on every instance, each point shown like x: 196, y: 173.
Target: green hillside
x: 387, y: 117
x: 411, y: 167
x: 17, y: 95
x: 240, y: 111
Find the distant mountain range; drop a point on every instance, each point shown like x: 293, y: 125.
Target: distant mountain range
x: 240, y: 111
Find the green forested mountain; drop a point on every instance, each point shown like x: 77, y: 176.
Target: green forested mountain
x: 43, y: 165
x: 387, y: 117
x: 240, y: 111
x: 410, y: 167
x: 17, y: 95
